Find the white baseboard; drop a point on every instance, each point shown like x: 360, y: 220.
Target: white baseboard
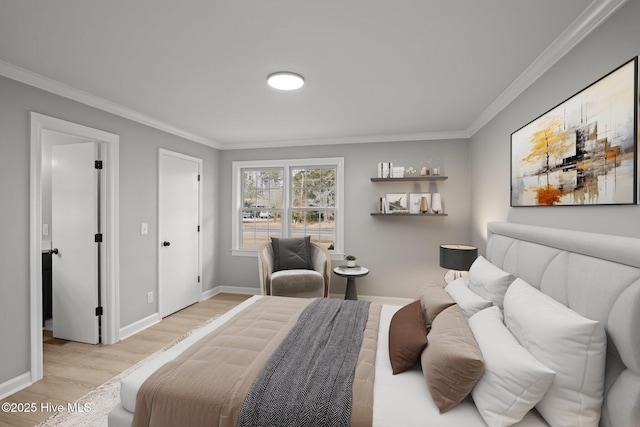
x: 14, y: 385
x: 208, y: 294
x: 138, y: 326
x: 230, y: 290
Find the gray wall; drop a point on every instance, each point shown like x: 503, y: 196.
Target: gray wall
x: 138, y: 203
x: 401, y: 253
x: 609, y: 46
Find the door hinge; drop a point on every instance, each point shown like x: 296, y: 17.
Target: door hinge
x: 98, y: 164
x: 198, y: 177
x: 98, y: 311
x: 198, y: 279
x: 198, y: 229
x: 98, y: 238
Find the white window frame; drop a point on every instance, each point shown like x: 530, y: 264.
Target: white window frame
x: 287, y: 165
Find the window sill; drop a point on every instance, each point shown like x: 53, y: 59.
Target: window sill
x: 245, y: 252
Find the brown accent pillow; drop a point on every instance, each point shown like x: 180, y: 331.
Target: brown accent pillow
x: 407, y: 337
x: 434, y: 299
x: 452, y: 362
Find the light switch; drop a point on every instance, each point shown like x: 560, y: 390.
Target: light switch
x: 45, y: 229
x: 144, y: 228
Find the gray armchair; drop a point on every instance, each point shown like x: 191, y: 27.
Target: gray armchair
x: 301, y: 283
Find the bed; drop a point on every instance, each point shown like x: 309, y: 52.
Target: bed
x: 596, y: 276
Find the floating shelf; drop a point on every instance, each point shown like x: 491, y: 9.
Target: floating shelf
x: 412, y: 178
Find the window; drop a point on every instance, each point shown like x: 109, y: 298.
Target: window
x: 287, y: 198
x: 262, y: 205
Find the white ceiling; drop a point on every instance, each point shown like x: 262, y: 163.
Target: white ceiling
x: 375, y: 70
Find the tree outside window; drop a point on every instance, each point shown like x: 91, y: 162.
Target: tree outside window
x: 313, y: 199
x: 262, y: 205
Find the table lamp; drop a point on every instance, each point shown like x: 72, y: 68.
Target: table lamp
x: 457, y: 258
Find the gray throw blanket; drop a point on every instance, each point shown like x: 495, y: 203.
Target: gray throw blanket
x: 307, y: 381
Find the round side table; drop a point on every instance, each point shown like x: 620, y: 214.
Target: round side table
x: 351, y: 273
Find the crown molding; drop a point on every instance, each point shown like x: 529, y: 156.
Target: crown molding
x: 364, y: 139
x: 597, y: 12
x: 49, y: 85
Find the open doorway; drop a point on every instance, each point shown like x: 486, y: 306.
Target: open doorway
x: 45, y: 129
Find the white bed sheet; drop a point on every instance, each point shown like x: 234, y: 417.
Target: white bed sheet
x: 399, y: 400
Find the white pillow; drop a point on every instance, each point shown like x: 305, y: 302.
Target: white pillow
x: 513, y: 380
x: 573, y: 346
x: 469, y: 301
x: 489, y: 281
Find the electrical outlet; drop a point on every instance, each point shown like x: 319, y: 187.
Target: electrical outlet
x: 149, y: 297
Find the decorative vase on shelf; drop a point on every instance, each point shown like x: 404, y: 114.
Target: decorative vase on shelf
x: 424, y: 205
x: 436, y: 203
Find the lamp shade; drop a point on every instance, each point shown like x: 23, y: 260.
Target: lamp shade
x: 457, y: 257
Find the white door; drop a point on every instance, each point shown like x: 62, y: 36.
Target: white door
x: 74, y: 218
x: 179, y: 264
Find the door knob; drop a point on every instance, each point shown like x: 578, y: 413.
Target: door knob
x: 166, y: 243
x: 53, y: 251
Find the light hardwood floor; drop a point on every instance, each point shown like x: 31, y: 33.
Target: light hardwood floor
x: 73, y: 369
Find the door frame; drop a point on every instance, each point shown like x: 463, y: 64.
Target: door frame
x: 161, y: 152
x: 110, y: 251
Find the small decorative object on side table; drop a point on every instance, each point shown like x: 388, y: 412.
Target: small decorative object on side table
x: 351, y: 260
x: 351, y: 273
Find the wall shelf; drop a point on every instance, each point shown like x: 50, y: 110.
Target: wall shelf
x: 412, y: 178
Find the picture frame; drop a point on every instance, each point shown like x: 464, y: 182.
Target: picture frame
x: 584, y: 150
x: 414, y: 202
x: 396, y: 201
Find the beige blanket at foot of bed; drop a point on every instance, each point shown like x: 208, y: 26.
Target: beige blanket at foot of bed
x: 207, y: 384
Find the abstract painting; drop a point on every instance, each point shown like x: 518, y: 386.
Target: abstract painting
x: 583, y: 151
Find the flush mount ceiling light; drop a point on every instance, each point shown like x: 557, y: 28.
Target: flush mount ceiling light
x: 285, y: 80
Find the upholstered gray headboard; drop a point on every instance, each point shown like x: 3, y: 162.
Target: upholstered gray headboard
x: 597, y: 276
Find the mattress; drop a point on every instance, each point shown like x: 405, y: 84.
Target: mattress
x: 401, y: 399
